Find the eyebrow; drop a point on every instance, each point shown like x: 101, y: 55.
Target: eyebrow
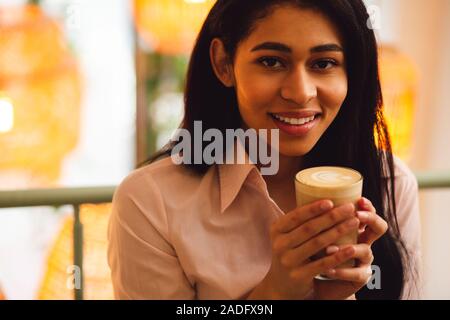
x: 284, y: 48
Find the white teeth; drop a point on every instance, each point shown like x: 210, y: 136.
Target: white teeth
x: 294, y: 121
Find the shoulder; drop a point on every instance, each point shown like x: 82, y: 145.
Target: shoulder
x: 156, y: 177
x: 402, y: 169
x: 145, y: 194
x: 406, y: 185
x: 159, y: 191
x: 409, y: 221
x: 403, y: 175
x: 407, y: 204
x: 405, y: 179
x: 406, y: 193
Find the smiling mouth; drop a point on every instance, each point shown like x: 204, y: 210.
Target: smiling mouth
x: 295, y: 121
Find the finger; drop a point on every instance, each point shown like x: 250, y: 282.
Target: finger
x: 362, y: 228
x: 315, y: 226
x: 362, y: 252
x: 366, y: 204
x: 376, y: 226
x: 300, y: 215
x: 320, y: 266
x: 360, y: 275
x: 360, y: 232
x: 331, y: 250
x: 297, y: 256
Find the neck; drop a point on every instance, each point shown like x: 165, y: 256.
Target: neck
x: 281, y: 187
x: 288, y: 168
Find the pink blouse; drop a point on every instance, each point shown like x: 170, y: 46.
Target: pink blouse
x: 176, y: 235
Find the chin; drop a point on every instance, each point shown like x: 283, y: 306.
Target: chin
x: 295, y: 151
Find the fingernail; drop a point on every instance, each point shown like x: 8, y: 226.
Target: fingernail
x: 369, y: 270
x: 362, y: 214
x: 331, y: 272
x: 326, y: 205
x: 366, y: 201
x: 348, y: 251
x: 332, y: 249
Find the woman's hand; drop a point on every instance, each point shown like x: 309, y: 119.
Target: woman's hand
x: 296, y: 237
x: 367, y: 214
x: 350, y: 280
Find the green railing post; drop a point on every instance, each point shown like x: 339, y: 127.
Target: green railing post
x: 78, y: 253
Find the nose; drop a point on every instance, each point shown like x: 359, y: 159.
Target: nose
x: 299, y: 87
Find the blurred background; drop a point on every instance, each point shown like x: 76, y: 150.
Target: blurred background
x: 88, y: 89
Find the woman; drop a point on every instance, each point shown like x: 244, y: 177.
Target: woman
x: 225, y: 231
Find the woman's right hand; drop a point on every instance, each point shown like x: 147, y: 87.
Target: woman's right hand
x: 296, y: 237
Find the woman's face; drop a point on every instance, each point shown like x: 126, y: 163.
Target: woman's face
x: 291, y: 66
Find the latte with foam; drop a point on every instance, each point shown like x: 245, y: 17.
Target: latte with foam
x: 338, y: 184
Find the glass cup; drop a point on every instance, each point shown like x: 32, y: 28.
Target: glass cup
x: 338, y: 184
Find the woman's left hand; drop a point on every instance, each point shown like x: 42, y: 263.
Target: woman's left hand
x: 350, y: 280
x: 372, y: 226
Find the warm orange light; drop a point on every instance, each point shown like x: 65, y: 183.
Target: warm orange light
x: 170, y: 26
x: 399, y: 84
x: 39, y: 76
x: 2, y: 296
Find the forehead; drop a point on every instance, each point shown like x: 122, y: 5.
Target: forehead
x: 298, y: 28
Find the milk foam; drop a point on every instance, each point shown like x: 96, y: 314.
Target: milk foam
x: 330, y: 177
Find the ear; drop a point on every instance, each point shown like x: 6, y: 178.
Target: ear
x: 221, y: 63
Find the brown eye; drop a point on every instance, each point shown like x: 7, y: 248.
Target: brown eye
x: 324, y: 64
x: 271, y: 62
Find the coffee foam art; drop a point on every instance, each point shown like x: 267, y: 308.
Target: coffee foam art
x: 330, y: 177
x: 329, y: 181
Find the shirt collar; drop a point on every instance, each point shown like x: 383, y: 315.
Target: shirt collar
x: 233, y: 176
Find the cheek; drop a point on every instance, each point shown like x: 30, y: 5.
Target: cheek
x: 333, y: 94
x: 255, y: 95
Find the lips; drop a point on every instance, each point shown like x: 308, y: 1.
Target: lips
x: 297, y: 130
x: 297, y: 115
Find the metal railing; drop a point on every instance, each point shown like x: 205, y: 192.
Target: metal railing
x: 60, y: 197
x: 97, y: 195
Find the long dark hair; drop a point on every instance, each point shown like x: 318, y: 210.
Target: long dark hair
x: 358, y: 138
